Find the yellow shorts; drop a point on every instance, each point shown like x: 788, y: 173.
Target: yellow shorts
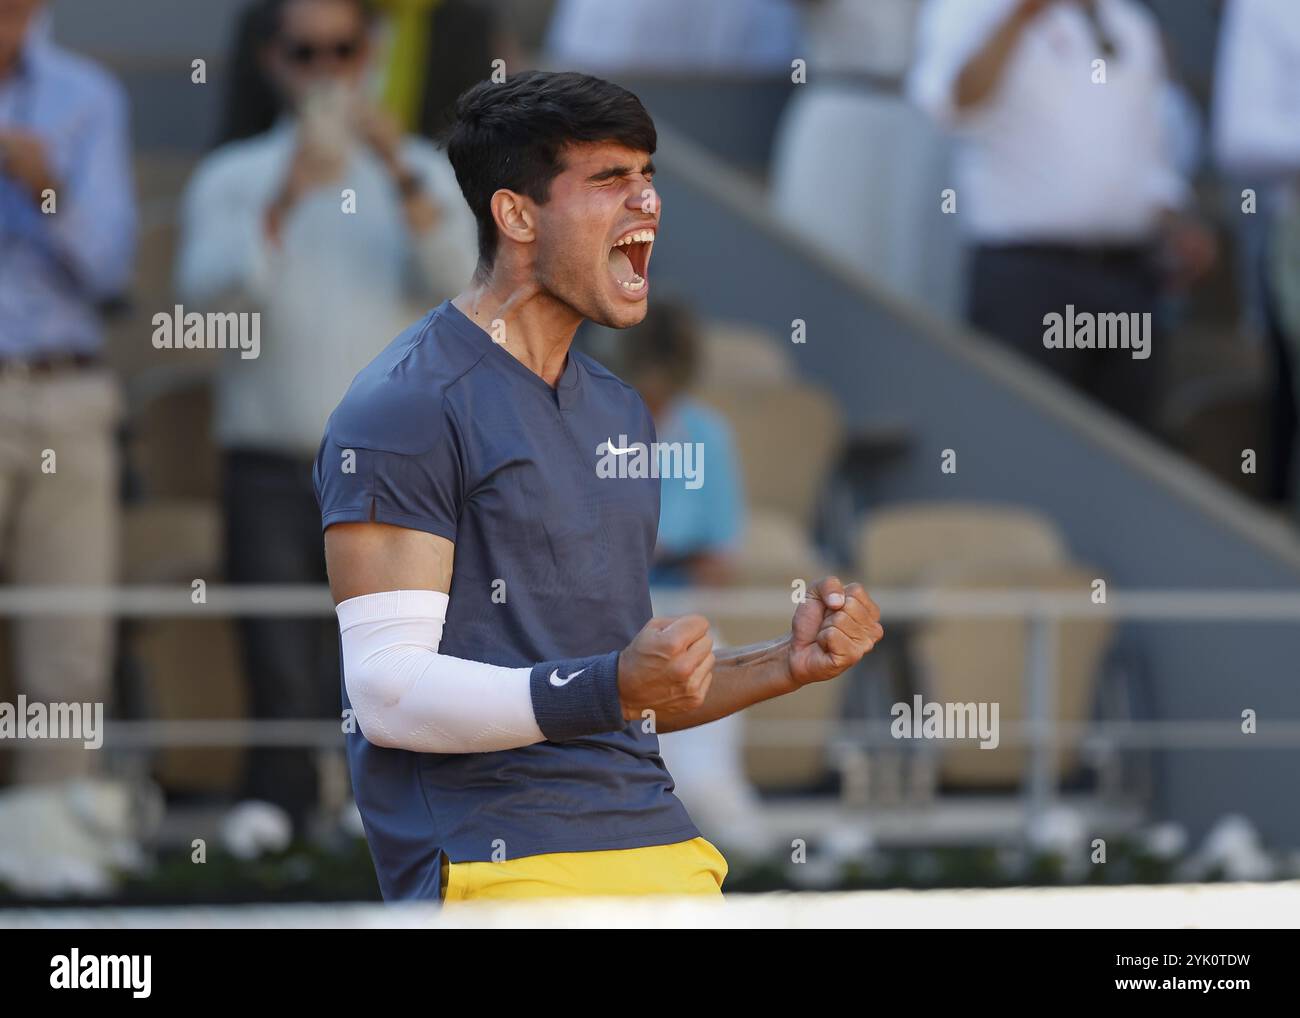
x: 687, y: 867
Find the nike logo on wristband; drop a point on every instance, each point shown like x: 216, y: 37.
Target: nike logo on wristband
x: 557, y: 681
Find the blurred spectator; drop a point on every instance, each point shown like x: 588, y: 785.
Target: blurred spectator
x: 436, y: 50
x: 1257, y: 139
x: 678, y: 36
x: 326, y: 225
x: 699, y: 532
x: 67, y: 244
x: 1068, y: 186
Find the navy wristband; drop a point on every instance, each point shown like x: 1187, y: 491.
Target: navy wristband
x: 577, y: 697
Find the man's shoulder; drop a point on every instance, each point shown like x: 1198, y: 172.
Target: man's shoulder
x: 397, y: 402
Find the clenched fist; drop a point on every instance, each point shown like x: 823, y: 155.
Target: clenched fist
x: 832, y: 629
x: 667, y: 667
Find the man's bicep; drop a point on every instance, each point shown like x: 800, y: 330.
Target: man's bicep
x: 370, y: 558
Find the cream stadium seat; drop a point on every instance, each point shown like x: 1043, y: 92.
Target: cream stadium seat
x: 964, y: 660
x: 901, y: 545
x: 959, y: 546
x: 189, y: 669
x: 788, y: 435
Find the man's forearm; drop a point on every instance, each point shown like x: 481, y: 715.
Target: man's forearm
x: 404, y: 694
x: 741, y: 676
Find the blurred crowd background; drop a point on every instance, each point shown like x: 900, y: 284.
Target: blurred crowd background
x: 870, y: 206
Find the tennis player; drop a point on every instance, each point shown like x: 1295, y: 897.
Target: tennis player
x: 500, y: 661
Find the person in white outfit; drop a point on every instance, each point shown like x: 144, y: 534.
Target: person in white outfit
x: 1068, y: 184
x: 334, y: 228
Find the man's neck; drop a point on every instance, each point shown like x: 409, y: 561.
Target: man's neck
x: 531, y: 325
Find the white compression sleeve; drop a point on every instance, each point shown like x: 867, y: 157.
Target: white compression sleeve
x: 406, y: 695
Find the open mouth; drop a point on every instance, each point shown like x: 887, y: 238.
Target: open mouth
x: 630, y: 258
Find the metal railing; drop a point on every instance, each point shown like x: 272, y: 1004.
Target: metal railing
x: 1043, y: 610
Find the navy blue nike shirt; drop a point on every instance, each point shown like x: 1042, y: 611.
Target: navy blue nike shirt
x: 446, y: 432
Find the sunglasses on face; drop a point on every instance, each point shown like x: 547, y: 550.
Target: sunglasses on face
x: 304, y: 54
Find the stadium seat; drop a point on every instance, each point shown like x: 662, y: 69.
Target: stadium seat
x: 787, y: 437
x: 189, y: 670
x: 972, y: 546
x: 775, y: 551
x: 904, y: 544
x: 968, y: 660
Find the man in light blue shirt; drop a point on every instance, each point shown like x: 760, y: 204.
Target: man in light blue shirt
x: 702, y: 512
x: 67, y: 241
x: 67, y: 204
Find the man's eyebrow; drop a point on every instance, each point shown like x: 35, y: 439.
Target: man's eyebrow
x: 621, y: 171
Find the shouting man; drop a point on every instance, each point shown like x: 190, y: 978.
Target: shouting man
x: 508, y: 707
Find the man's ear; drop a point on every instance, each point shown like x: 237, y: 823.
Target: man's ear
x: 513, y: 214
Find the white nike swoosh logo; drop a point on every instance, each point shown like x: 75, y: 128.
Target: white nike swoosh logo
x: 615, y: 450
x: 557, y: 681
